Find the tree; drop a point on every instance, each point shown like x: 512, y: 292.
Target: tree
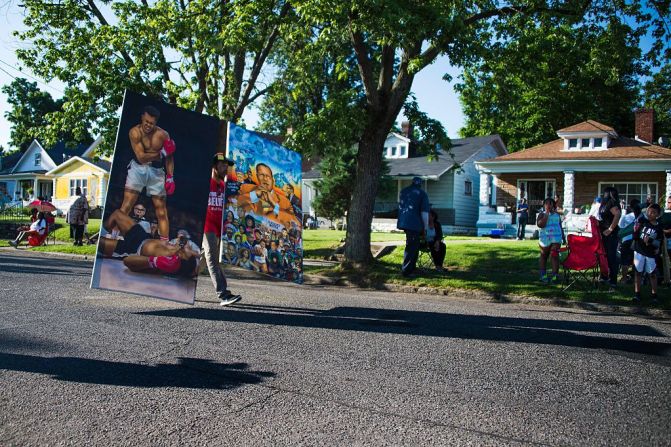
x: 524, y: 92
x: 657, y: 95
x: 393, y: 40
x: 204, y: 55
x: 31, y: 114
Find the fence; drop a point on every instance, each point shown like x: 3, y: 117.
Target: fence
x: 13, y: 213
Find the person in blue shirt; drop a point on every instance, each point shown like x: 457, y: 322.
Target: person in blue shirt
x: 413, y: 218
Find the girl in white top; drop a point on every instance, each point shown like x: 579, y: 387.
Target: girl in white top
x: 37, y: 228
x: 550, y: 237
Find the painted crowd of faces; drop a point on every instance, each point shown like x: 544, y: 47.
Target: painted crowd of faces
x: 250, y: 244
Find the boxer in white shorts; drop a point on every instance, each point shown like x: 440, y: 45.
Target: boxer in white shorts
x: 152, y: 167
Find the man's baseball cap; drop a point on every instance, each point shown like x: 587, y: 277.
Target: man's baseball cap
x: 417, y: 181
x: 220, y: 156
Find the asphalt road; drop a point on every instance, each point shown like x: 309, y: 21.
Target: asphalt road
x: 306, y: 365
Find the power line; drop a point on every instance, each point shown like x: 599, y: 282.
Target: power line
x: 31, y: 77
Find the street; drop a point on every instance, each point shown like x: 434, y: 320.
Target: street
x: 310, y: 365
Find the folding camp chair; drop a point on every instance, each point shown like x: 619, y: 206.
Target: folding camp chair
x: 586, y: 259
x: 424, y: 259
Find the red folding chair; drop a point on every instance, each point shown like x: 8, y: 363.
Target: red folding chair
x: 586, y: 259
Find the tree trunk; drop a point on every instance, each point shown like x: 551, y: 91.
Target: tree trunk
x: 369, y: 164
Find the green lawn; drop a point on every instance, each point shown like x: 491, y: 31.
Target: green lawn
x: 495, y: 267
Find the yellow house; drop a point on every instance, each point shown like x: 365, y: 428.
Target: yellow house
x: 89, y: 173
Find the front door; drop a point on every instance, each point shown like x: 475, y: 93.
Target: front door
x: 535, y: 191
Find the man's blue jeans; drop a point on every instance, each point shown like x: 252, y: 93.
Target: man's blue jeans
x: 411, y: 252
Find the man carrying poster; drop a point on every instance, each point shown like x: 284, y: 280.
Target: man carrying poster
x: 221, y: 166
x: 152, y: 167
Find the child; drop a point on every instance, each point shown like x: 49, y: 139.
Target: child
x: 550, y: 237
x: 648, y: 234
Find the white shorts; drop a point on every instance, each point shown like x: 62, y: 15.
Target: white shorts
x: 643, y: 263
x: 140, y: 176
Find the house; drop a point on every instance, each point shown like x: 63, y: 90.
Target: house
x: 46, y: 173
x: 23, y: 176
x: 586, y: 158
x: 86, y: 171
x: 451, y: 181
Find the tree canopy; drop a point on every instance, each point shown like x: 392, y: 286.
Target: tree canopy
x: 657, y: 95
x: 204, y: 55
x: 551, y: 76
x: 31, y: 117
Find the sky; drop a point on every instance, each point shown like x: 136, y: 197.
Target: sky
x: 435, y: 97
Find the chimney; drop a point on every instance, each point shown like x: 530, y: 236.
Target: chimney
x: 645, y: 125
x: 406, y: 129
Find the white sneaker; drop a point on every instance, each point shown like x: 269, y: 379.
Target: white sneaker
x: 230, y: 299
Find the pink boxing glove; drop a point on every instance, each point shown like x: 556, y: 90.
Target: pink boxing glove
x: 168, y: 148
x: 166, y: 264
x: 169, y: 185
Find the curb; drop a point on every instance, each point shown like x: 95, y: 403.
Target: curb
x: 318, y: 280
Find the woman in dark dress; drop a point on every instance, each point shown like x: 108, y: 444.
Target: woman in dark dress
x: 609, y: 217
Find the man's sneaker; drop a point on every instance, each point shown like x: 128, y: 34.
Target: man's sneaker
x: 653, y: 298
x: 545, y: 279
x: 554, y: 279
x: 636, y: 299
x: 230, y: 299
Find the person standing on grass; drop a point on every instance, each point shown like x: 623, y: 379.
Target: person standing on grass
x: 413, y: 218
x: 648, y: 235
x: 550, y: 237
x: 78, y: 216
x: 609, y: 216
x: 522, y: 218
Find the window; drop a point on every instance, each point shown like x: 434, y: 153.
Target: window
x: 628, y: 191
x: 468, y: 188
x: 585, y: 143
x: 79, y: 182
x: 38, y: 159
x: 573, y: 143
x: 393, y: 151
x: 598, y: 142
x: 401, y: 151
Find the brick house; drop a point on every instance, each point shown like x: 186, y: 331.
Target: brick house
x: 586, y: 158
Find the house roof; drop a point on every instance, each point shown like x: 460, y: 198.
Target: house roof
x: 9, y: 161
x: 587, y: 126
x: 58, y: 153
x: 420, y: 166
x: 100, y: 164
x: 621, y: 148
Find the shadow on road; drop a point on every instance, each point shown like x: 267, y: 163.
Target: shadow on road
x: 43, y: 266
x: 432, y: 324
x: 187, y: 373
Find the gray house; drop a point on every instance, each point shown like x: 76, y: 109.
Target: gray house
x: 452, y: 182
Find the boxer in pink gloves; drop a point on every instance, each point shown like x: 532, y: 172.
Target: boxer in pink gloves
x: 152, y: 167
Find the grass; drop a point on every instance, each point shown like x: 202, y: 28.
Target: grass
x: 497, y: 268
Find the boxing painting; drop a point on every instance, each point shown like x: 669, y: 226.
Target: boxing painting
x: 156, y: 201
x: 262, y: 228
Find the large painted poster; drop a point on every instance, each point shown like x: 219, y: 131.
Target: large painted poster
x: 156, y: 201
x: 262, y: 228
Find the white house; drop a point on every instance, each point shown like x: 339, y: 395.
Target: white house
x: 451, y: 181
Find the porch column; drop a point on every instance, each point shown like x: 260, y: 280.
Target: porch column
x: 101, y: 192
x: 35, y: 191
x: 495, y: 181
x: 569, y: 191
x: 668, y: 184
x: 484, y: 189
x: 53, y: 189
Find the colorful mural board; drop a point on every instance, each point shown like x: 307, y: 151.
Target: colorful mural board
x: 262, y: 228
x: 143, y: 204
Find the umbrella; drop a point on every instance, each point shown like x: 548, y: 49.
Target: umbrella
x: 42, y: 205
